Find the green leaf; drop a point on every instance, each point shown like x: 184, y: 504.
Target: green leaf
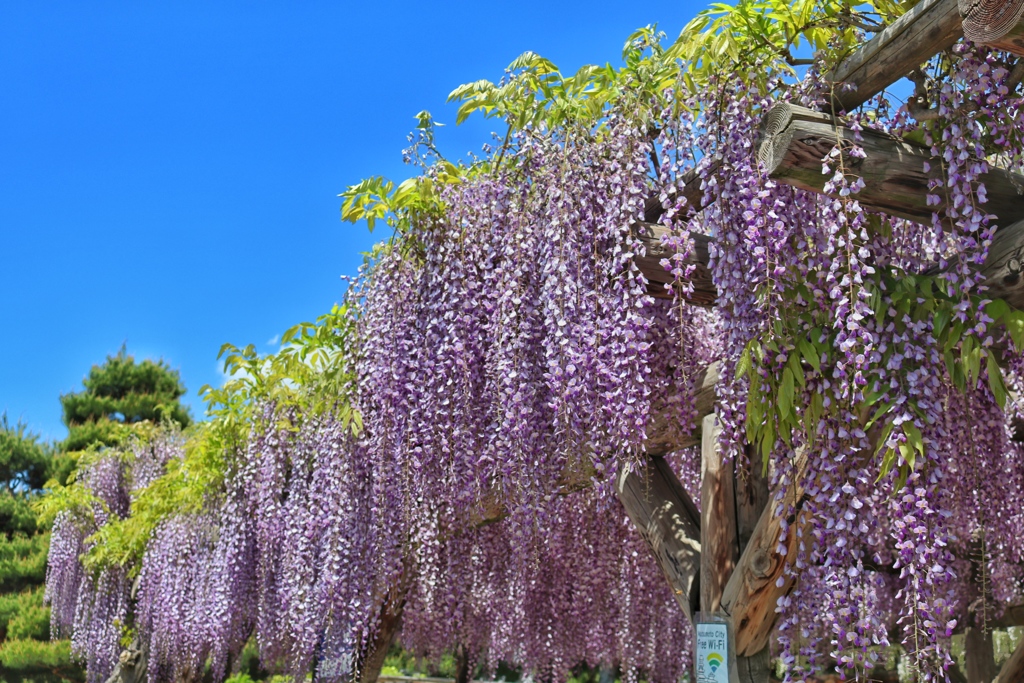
x: 744, y: 364
x: 995, y: 379
x: 942, y: 318
x: 914, y: 438
x: 996, y: 309
x: 810, y: 354
x: 798, y: 371
x: 767, y: 441
x: 965, y: 356
x: 1014, y: 321
x: 786, y: 392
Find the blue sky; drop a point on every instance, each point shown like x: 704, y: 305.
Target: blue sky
x: 169, y: 171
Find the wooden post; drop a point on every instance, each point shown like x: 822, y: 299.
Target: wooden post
x: 996, y: 23
x: 669, y: 522
x: 390, y: 622
x: 751, y: 497
x: 929, y: 27
x: 981, y: 658
x: 1013, y: 669
x: 753, y: 590
x: 795, y: 141
x: 131, y: 665
x: 718, y: 540
x: 751, y: 501
x: 665, y: 434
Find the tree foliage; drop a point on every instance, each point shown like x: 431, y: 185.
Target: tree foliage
x: 26, y: 653
x: 446, y: 442
x: 121, y: 392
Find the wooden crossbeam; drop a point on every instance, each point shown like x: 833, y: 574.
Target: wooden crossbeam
x: 669, y: 523
x: 927, y: 28
x: 795, y: 141
x: 996, y: 23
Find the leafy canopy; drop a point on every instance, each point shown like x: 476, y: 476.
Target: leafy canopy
x: 122, y: 392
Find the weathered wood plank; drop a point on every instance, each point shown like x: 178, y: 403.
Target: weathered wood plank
x: 665, y: 434
x: 1013, y: 669
x: 704, y: 291
x: 753, y: 590
x: 718, y: 537
x: 929, y: 27
x: 795, y: 141
x: 390, y: 621
x: 669, y: 523
x: 996, y: 23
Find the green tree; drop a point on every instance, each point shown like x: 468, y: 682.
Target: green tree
x: 26, y: 652
x: 118, y: 396
x: 120, y: 393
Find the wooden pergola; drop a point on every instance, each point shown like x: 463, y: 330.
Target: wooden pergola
x: 725, y: 560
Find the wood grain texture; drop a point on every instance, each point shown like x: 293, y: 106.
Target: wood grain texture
x: 390, y: 621
x: 665, y: 433
x: 718, y: 538
x: 1004, y: 267
x: 996, y: 23
x: 669, y: 523
x: 131, y: 664
x: 980, y: 654
x: 1013, y: 669
x: 795, y: 141
x: 704, y: 291
x: 751, y: 496
x: 929, y: 27
x: 760, y: 579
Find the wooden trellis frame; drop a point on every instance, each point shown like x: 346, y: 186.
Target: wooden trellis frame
x: 726, y: 560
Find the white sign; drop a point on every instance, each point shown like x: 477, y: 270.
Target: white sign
x: 712, y: 663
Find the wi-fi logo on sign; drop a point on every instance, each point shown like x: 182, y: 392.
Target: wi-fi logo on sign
x: 714, y: 661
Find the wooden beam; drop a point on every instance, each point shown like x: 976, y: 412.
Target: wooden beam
x: 1013, y: 669
x: 718, y: 537
x: 376, y: 652
x: 664, y: 432
x: 796, y: 140
x: 996, y: 23
x: 669, y: 523
x: 704, y: 291
x: 1004, y: 267
x: 760, y: 577
x: 927, y: 28
x: 1013, y: 615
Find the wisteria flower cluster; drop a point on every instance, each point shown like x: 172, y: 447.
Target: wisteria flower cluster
x: 506, y: 359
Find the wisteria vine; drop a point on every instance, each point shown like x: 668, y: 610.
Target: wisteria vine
x: 500, y: 361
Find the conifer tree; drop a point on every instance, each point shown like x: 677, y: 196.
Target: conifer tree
x: 117, y: 394
x: 26, y: 652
